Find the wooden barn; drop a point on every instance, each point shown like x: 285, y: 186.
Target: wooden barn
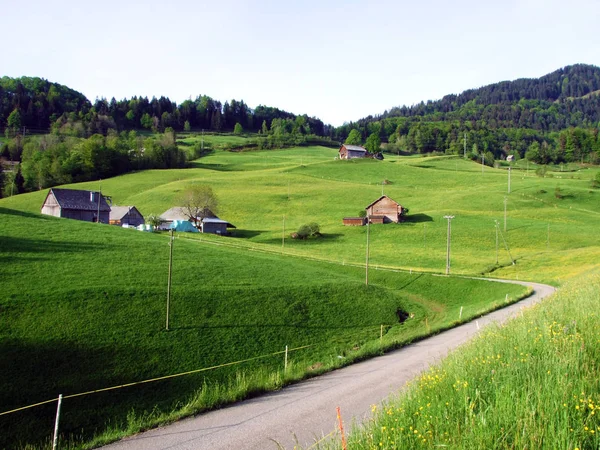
x: 89, y: 206
x: 125, y: 216
x: 354, y: 221
x: 348, y: 151
x: 384, y: 210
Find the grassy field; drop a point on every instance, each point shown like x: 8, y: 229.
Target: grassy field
x: 83, y: 307
x: 86, y: 302
x: 550, y: 234
x: 532, y: 383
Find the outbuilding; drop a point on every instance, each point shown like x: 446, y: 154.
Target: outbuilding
x: 215, y: 225
x: 354, y: 221
x: 348, y: 151
x: 128, y: 216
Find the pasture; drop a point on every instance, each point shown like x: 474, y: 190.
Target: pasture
x: 86, y: 302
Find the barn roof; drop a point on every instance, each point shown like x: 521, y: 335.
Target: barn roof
x: 356, y: 148
x: 379, y: 199
x: 179, y: 213
x: 118, y: 212
x: 79, y: 200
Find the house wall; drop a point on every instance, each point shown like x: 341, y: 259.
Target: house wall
x: 86, y: 216
x: 51, y: 207
x: 214, y: 228
x: 133, y: 218
x: 354, y: 221
x: 355, y: 154
x: 386, y: 207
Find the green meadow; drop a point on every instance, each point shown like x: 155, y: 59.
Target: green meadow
x: 83, y: 305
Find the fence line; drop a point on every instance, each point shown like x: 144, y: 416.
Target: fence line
x: 205, y: 369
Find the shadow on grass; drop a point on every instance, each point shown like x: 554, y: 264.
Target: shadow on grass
x: 417, y: 218
x: 40, y: 371
x: 24, y: 245
x: 309, y: 241
x: 15, y: 212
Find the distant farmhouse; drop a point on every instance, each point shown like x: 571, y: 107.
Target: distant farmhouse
x: 89, y: 206
x: 210, y: 223
x: 382, y: 210
x: 348, y: 151
x: 128, y: 216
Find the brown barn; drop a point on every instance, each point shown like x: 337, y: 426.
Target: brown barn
x: 89, y: 206
x: 348, y: 151
x: 384, y: 210
x: 354, y: 221
x: 126, y: 216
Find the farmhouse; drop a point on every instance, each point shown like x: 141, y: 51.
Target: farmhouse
x: 209, y: 223
x: 384, y: 210
x: 125, y: 216
x: 89, y: 206
x: 348, y: 151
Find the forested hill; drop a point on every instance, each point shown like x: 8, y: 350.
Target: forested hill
x: 41, y: 106
x: 566, y: 97
x: 38, y: 102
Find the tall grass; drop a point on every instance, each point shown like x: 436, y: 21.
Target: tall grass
x: 532, y: 383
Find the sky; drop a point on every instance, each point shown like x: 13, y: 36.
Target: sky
x: 335, y: 60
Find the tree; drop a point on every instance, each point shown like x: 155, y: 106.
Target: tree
x: 354, y: 137
x: 373, y: 143
x: 186, y: 126
x: 238, y: 128
x: 14, y: 119
x: 153, y: 220
x: 198, y: 201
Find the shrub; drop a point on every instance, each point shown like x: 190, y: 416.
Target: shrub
x: 362, y: 213
x: 306, y: 231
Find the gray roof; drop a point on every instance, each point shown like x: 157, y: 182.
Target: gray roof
x: 179, y: 213
x: 118, y: 212
x: 217, y: 220
x: 355, y: 148
x: 175, y: 213
x: 80, y: 200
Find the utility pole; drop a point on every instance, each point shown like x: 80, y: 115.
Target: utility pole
x: 509, y: 179
x: 99, y: 196
x: 505, y: 201
x: 169, y: 282
x: 548, y: 238
x: 449, y: 218
x: 367, y: 262
x: 465, y: 146
x: 482, y: 161
x: 283, y: 234
x: 202, y: 147
x: 496, y: 222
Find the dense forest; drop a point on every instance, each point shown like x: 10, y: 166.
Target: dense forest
x: 554, y: 118
x: 59, y: 136
x: 39, y: 106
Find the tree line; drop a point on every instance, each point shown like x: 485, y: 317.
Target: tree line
x: 39, y: 105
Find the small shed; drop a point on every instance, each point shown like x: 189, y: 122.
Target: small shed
x: 354, y: 221
x: 384, y: 210
x: 89, y: 206
x: 126, y: 216
x: 215, y: 225
x: 348, y: 151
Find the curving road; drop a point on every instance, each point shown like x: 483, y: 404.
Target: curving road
x: 302, y: 413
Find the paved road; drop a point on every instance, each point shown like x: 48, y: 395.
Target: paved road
x: 304, y: 412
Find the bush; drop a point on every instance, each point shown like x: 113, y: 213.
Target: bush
x: 362, y: 213
x: 307, y: 231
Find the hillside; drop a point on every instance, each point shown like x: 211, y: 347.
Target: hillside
x: 88, y: 300
x: 84, y: 308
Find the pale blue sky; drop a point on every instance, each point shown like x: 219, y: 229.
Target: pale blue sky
x: 335, y: 60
